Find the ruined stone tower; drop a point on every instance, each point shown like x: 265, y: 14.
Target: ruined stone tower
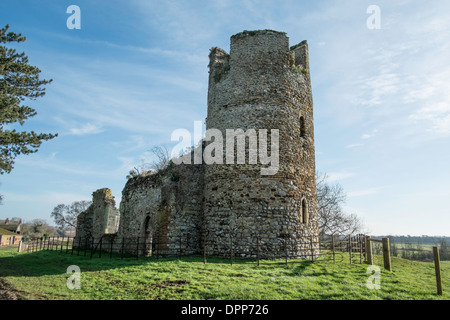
x: 262, y: 84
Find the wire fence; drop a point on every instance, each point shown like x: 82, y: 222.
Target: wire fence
x: 325, y: 248
x: 411, y: 251
x: 386, y: 249
x: 335, y: 248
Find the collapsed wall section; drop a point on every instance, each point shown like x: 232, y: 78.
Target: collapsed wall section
x: 99, y: 219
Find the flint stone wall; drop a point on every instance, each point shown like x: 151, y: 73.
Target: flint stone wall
x: 262, y: 84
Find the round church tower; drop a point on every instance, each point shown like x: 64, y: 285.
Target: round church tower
x: 260, y: 99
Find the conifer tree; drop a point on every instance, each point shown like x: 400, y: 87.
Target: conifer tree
x: 19, y: 81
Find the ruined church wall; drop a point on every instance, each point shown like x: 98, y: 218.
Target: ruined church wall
x: 159, y: 208
x: 101, y: 218
x: 84, y: 229
x: 105, y: 215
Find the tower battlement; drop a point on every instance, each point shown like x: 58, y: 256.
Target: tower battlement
x: 255, y: 52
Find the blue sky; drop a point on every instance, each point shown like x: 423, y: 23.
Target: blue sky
x: 137, y: 70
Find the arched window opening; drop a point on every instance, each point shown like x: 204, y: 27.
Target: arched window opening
x: 148, y: 236
x: 302, y: 127
x: 305, y: 215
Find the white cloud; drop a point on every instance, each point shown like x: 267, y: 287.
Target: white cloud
x: 369, y: 135
x: 148, y: 103
x: 354, y: 145
x: 363, y: 192
x: 337, y: 176
x: 53, y: 164
x: 433, y: 99
x: 88, y: 128
x: 438, y: 115
x: 45, y: 198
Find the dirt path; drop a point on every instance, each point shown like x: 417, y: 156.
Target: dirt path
x: 7, y: 292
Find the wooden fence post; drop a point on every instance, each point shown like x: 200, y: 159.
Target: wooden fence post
x: 257, y: 251
x: 158, y: 241
x: 369, y: 258
x: 187, y: 244
x: 332, y: 248
x: 231, y: 249
x: 204, y: 249
x: 350, y: 248
x: 285, y: 250
x: 180, y: 253
x: 101, y: 245
x: 92, y: 247
x: 157, y: 246
x: 387, y: 254
x: 62, y: 244
x: 137, y: 249
x: 360, y: 239
x: 79, y: 246
x: 111, y: 247
x: 121, y: 250
x: 437, y: 267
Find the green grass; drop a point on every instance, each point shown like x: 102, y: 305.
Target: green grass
x: 42, y: 275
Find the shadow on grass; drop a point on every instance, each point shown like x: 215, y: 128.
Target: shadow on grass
x: 45, y: 262
x: 54, y: 262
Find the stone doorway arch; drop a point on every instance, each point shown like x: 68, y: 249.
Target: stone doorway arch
x: 148, y: 232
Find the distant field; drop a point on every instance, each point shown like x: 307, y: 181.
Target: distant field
x: 408, y: 250
x: 42, y: 275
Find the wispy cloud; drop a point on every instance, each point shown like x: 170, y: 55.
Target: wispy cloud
x: 186, y: 56
x: 338, y: 176
x: 369, y: 135
x: 88, y: 128
x: 397, y: 77
x: 365, y: 136
x: 437, y: 114
x: 45, y: 198
x: 53, y: 164
x: 361, y: 193
x: 433, y: 98
x: 354, y: 145
x: 99, y: 96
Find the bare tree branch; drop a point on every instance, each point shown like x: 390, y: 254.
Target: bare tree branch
x: 65, y: 216
x: 332, y: 218
x: 162, y: 158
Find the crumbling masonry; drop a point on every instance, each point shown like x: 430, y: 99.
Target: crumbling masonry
x: 261, y: 84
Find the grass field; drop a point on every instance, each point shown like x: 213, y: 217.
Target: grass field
x: 42, y: 275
